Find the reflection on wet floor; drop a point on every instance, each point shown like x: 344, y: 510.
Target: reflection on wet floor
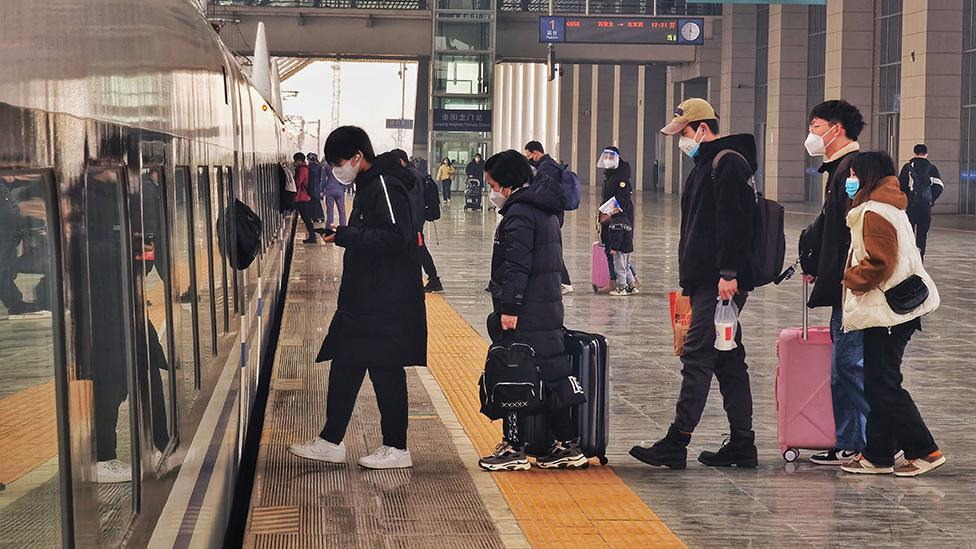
x: 806, y: 505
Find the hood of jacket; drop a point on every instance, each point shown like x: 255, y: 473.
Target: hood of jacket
x: 742, y: 143
x: 387, y: 164
x: 539, y: 195
x: 887, y: 192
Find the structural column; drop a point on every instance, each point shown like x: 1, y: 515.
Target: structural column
x: 787, y: 103
x: 931, y: 72
x: 568, y: 112
x: 737, y: 103
x: 849, y: 72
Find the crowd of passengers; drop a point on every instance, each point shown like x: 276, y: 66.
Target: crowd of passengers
x: 869, y: 236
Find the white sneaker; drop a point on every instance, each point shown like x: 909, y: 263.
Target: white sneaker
x: 619, y: 291
x: 387, y: 457
x: 113, y: 471
x: 319, y: 449
x: 567, y: 288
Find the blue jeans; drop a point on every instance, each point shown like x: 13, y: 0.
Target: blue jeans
x: 847, y: 384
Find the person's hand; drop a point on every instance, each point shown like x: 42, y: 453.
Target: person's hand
x: 613, y: 252
x: 727, y: 288
x: 809, y: 279
x: 603, y: 218
x: 509, y: 322
x: 329, y: 239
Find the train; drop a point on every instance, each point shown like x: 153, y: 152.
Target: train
x: 130, y: 346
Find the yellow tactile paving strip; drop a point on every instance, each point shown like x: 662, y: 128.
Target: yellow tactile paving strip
x: 28, y: 431
x: 589, y: 508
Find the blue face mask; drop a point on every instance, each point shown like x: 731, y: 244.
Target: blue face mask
x: 852, y: 185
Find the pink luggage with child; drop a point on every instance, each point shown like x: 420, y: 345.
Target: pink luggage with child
x: 600, y: 271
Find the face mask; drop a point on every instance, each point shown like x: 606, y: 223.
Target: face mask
x: 852, y: 185
x: 608, y: 160
x: 497, y: 198
x: 689, y: 146
x: 346, y: 174
x: 815, y: 144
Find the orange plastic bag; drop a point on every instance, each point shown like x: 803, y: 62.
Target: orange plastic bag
x: 680, y: 320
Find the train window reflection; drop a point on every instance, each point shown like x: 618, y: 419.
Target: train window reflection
x: 220, y: 271
x: 183, y: 279
x: 155, y: 264
x: 204, y: 264
x: 103, y: 329
x: 30, y: 502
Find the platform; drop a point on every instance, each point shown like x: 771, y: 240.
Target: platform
x: 445, y: 501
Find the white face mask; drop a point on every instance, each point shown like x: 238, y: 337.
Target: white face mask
x: 497, y: 198
x: 690, y: 145
x: 815, y: 144
x: 609, y: 160
x: 346, y: 173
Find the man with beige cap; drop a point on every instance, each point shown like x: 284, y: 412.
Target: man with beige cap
x: 717, y: 207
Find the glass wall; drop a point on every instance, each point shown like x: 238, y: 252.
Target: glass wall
x: 888, y: 75
x: 967, y: 157
x: 762, y: 88
x: 816, y: 63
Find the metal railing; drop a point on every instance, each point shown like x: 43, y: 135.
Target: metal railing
x: 596, y: 7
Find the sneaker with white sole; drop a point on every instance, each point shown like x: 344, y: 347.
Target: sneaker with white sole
x: 563, y: 455
x: 835, y: 457
x: 567, y: 288
x: 505, y: 458
x: 861, y: 466
x: 619, y: 291
x: 387, y: 457
x: 900, y: 459
x: 920, y: 466
x: 319, y: 449
x: 113, y: 471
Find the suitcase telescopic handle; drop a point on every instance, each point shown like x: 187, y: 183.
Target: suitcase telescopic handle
x: 806, y: 311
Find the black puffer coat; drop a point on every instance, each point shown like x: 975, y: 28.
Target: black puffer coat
x: 615, y: 233
x: 526, y: 266
x: 381, y: 315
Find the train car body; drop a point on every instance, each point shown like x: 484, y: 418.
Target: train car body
x: 129, y: 347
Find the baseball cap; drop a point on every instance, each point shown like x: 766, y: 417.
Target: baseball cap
x: 690, y: 110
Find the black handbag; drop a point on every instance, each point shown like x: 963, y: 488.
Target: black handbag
x: 907, y: 295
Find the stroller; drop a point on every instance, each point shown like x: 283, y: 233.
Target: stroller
x: 472, y: 196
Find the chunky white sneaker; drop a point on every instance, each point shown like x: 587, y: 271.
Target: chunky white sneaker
x: 619, y: 291
x: 113, y: 471
x: 319, y: 449
x: 387, y: 457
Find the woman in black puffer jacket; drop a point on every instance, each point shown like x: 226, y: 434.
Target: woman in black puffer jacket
x: 526, y: 266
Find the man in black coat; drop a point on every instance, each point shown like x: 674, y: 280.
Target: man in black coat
x: 717, y: 211
x: 617, y: 230
x: 548, y: 172
x: 526, y: 265
x: 922, y: 184
x: 476, y: 169
x: 380, y: 324
x: 824, y: 245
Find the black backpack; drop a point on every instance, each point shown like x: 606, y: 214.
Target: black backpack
x: 511, y: 380
x: 432, y: 200
x: 768, y: 232
x: 920, y: 192
x: 246, y: 237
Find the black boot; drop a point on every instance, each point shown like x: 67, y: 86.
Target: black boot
x: 738, y: 451
x: 671, y: 451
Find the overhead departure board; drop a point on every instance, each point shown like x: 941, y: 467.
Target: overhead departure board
x: 591, y: 29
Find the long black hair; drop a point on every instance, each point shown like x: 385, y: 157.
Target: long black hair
x: 509, y: 168
x: 871, y: 168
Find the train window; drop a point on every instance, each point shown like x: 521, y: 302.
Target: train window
x: 158, y: 309
x: 100, y: 311
x: 220, y: 271
x: 183, y: 279
x: 28, y: 407
x: 202, y: 237
x: 229, y: 184
x: 223, y: 70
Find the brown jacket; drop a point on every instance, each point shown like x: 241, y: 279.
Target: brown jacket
x: 880, y: 239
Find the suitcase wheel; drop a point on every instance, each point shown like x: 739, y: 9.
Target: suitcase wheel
x: 596, y: 289
x: 603, y: 460
x: 791, y: 455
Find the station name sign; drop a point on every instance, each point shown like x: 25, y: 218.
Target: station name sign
x: 590, y: 29
x: 461, y: 120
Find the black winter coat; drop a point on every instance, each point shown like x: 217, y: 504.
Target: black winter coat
x: 526, y: 266
x: 828, y: 239
x: 381, y: 315
x: 717, y: 215
x: 615, y: 233
x: 475, y: 170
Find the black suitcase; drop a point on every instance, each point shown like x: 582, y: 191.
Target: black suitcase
x: 472, y: 196
x: 588, y: 354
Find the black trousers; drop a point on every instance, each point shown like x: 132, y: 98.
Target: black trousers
x: 446, y: 188
x: 894, y: 421
x: 305, y: 211
x: 426, y: 261
x: 560, y: 423
x: 389, y: 383
x: 921, y: 220
x: 564, y: 275
x: 701, y: 360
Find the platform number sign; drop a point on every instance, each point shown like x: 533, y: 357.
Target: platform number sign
x: 552, y: 29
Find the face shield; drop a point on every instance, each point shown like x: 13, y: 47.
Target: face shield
x: 609, y: 160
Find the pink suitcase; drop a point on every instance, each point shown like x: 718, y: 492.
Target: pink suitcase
x: 804, y: 408
x: 600, y: 270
